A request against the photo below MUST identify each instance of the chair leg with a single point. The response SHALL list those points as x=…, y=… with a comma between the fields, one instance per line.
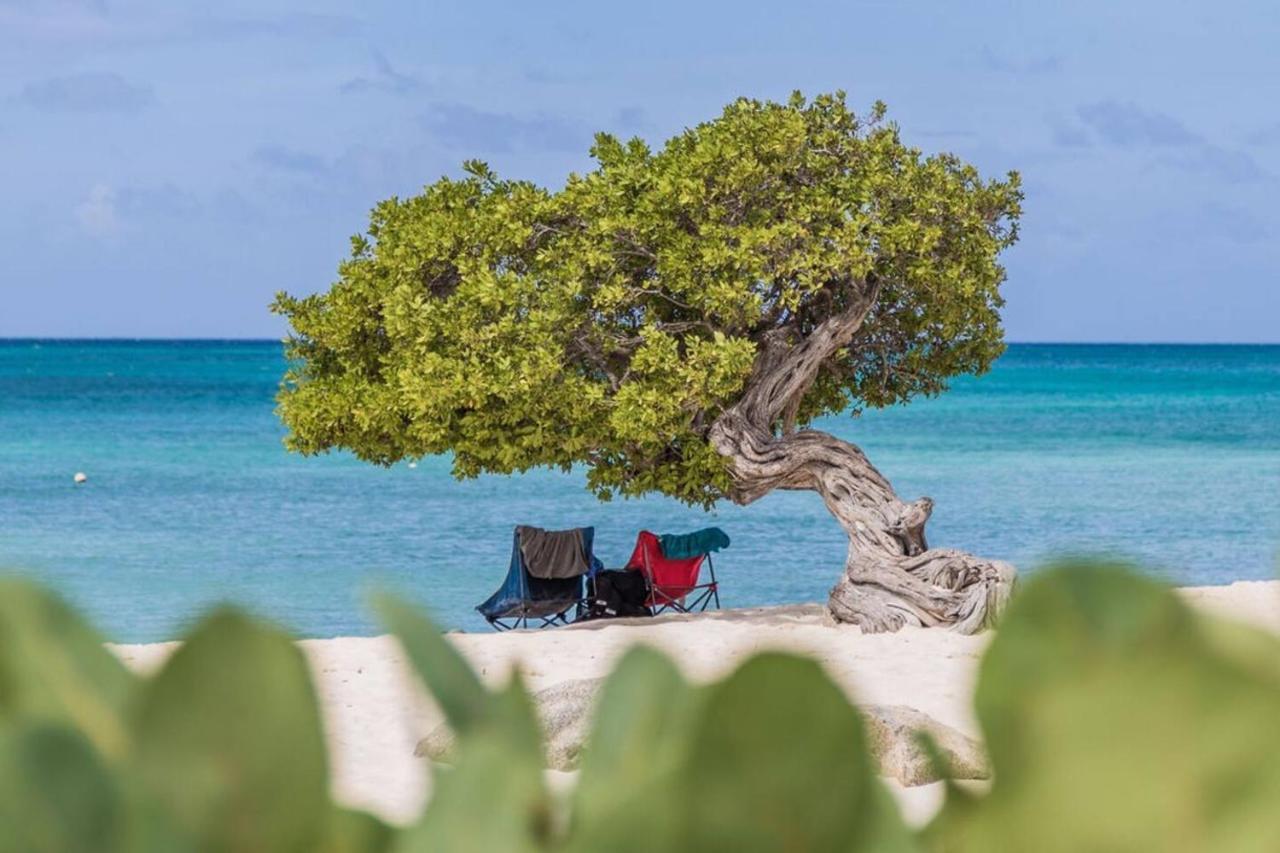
x=679, y=605
x=664, y=602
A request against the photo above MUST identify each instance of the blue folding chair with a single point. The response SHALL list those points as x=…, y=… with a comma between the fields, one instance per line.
x=527, y=593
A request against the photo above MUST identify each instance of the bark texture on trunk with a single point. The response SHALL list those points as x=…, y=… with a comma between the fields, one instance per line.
x=891, y=577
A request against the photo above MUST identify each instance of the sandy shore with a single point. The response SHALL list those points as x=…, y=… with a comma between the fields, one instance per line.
x=376, y=713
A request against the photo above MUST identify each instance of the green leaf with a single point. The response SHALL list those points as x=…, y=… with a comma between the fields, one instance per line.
x=639, y=744
x=1117, y=719
x=54, y=666
x=779, y=762
x=773, y=758
x=229, y=740
x=455, y=686
x=56, y=793
x=887, y=833
x=352, y=831
x=494, y=797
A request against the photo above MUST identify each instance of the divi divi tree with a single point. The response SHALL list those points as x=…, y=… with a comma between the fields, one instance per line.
x=673, y=321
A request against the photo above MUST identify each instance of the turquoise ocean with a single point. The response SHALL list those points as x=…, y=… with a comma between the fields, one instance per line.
x=1166, y=455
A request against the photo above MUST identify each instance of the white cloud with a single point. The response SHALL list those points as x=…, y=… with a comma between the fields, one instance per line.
x=97, y=214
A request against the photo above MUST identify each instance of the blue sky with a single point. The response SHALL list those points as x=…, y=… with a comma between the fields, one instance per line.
x=166, y=169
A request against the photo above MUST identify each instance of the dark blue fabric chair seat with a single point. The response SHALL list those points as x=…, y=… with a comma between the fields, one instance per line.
x=523, y=596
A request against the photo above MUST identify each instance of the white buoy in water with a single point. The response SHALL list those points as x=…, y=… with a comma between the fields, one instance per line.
x=80, y=477
x=413, y=464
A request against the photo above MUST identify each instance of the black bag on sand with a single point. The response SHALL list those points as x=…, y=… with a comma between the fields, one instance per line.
x=619, y=593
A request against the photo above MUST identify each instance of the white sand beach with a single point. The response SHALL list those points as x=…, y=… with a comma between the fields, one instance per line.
x=376, y=713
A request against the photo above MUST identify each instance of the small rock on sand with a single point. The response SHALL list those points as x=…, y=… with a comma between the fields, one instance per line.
x=565, y=711
x=891, y=734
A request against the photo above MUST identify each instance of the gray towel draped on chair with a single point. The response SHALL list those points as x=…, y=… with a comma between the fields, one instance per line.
x=553, y=553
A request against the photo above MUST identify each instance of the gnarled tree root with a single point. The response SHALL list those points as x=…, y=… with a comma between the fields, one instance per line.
x=892, y=577
x=938, y=587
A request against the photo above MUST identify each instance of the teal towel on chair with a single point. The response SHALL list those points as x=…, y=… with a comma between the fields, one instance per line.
x=680, y=546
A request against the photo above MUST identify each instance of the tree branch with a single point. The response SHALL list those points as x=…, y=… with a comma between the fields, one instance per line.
x=783, y=373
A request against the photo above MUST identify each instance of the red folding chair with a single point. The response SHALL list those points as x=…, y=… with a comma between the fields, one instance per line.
x=673, y=582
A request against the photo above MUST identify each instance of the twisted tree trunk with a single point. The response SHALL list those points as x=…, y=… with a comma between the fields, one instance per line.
x=891, y=577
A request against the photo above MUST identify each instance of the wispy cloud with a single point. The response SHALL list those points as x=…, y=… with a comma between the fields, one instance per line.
x=107, y=212
x=56, y=21
x=1234, y=224
x=465, y=127
x=110, y=211
x=362, y=170
x=166, y=201
x=285, y=159
x=1269, y=135
x=385, y=78
x=631, y=119
x=990, y=60
x=1226, y=164
x=92, y=23
x=547, y=77
x=1125, y=125
x=291, y=25
x=97, y=213
x=1068, y=134
x=90, y=92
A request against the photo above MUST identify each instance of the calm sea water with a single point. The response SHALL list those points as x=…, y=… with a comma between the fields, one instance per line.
x=1169, y=455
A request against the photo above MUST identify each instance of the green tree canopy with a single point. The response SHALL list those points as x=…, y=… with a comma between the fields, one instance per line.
x=609, y=323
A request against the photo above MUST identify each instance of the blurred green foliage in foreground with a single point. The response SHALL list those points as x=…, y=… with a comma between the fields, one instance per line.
x=1116, y=719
